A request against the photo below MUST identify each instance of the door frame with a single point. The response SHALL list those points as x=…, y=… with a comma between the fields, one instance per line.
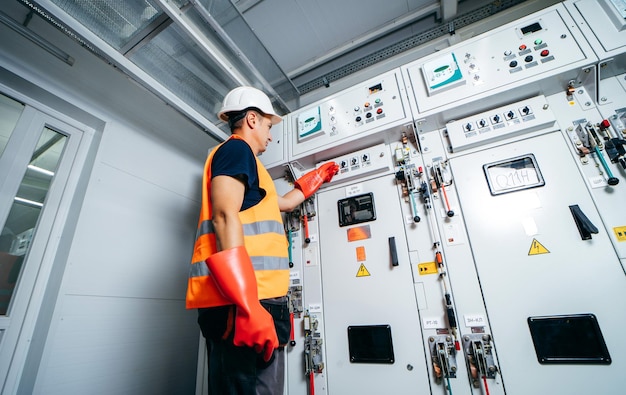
x=34, y=299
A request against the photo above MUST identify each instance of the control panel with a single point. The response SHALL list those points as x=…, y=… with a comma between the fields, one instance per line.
x=500, y=123
x=368, y=108
x=442, y=73
x=534, y=48
x=375, y=159
x=504, y=156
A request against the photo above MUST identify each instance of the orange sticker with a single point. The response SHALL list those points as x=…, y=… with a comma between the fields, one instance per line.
x=359, y=233
x=360, y=254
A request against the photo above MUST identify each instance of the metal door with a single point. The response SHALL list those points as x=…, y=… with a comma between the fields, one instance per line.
x=369, y=301
x=534, y=262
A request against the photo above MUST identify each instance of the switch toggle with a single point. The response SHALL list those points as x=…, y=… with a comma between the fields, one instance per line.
x=584, y=225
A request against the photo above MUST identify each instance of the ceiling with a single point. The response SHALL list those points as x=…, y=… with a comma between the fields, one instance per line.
x=312, y=38
x=192, y=52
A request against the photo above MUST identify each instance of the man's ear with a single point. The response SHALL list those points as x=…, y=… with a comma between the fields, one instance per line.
x=251, y=119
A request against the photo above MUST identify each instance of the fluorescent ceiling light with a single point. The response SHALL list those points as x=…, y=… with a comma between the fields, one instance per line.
x=29, y=34
x=40, y=170
x=28, y=202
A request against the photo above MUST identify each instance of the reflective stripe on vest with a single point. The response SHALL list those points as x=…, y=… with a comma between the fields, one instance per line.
x=206, y=227
x=264, y=239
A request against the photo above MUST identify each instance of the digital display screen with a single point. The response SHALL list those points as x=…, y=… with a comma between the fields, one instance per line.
x=568, y=339
x=535, y=27
x=356, y=209
x=376, y=88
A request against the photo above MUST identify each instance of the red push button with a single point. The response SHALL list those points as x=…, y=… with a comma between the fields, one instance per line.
x=522, y=47
x=545, y=52
x=605, y=124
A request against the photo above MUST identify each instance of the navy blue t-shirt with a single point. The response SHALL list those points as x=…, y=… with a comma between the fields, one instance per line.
x=235, y=159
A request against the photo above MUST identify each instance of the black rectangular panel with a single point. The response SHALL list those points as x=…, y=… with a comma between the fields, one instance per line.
x=370, y=344
x=568, y=339
x=534, y=27
x=356, y=209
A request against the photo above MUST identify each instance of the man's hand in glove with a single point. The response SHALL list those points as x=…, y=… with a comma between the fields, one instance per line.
x=313, y=180
x=233, y=273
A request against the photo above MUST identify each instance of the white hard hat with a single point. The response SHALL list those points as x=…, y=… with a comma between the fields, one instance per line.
x=244, y=97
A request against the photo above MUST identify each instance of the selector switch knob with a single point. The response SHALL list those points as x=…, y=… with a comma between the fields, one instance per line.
x=605, y=124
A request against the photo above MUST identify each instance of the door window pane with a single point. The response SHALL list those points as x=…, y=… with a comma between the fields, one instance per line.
x=10, y=111
x=25, y=210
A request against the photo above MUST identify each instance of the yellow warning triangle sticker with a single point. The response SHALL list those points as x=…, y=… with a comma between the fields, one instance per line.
x=362, y=271
x=537, y=248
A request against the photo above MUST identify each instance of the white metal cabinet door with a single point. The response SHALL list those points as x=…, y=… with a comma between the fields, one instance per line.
x=376, y=293
x=532, y=261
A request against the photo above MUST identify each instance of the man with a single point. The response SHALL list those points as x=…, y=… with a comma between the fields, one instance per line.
x=240, y=272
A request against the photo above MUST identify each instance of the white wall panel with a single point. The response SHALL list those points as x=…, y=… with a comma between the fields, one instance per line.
x=120, y=346
x=136, y=232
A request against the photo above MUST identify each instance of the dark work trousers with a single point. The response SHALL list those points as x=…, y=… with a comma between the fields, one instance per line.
x=240, y=370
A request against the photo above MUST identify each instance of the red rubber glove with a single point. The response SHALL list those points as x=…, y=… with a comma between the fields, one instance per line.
x=311, y=181
x=233, y=274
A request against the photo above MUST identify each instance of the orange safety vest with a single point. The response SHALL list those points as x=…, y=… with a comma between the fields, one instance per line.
x=264, y=239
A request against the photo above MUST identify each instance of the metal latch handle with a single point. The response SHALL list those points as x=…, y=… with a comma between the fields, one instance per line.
x=585, y=227
x=393, y=251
